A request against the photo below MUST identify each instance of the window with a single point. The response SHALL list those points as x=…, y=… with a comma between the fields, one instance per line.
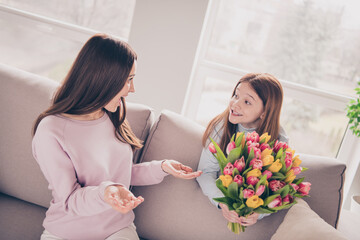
x=311, y=46
x=44, y=37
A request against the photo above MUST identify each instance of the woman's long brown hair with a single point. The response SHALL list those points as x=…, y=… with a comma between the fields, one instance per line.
x=99, y=72
x=269, y=89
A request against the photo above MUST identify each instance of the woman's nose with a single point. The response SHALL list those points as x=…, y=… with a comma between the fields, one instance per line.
x=132, y=88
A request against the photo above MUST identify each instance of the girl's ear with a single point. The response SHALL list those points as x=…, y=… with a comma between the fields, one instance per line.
x=262, y=115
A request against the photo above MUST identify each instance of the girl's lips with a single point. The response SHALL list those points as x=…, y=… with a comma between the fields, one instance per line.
x=235, y=113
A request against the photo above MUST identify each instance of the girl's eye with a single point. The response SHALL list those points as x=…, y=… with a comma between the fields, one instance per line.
x=247, y=102
x=236, y=96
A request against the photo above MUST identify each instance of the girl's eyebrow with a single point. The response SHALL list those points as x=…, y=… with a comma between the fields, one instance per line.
x=251, y=96
x=132, y=75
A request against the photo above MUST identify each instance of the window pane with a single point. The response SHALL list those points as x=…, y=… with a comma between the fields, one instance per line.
x=314, y=42
x=312, y=129
x=49, y=50
x=109, y=16
x=35, y=51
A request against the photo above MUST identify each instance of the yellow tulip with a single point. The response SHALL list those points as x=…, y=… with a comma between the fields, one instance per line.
x=290, y=176
x=265, y=153
x=226, y=180
x=254, y=201
x=254, y=172
x=290, y=151
x=296, y=161
x=275, y=166
x=267, y=160
x=265, y=136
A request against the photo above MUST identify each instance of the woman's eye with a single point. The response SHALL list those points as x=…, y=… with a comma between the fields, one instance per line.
x=247, y=102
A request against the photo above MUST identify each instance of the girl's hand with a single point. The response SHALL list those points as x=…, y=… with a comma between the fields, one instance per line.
x=179, y=170
x=121, y=199
x=232, y=216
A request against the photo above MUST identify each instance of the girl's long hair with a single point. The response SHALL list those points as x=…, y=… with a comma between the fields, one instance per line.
x=99, y=72
x=269, y=89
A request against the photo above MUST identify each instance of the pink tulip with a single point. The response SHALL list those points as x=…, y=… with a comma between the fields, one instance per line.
x=288, y=162
x=257, y=152
x=267, y=173
x=260, y=190
x=304, y=188
x=240, y=164
x=275, y=185
x=254, y=137
x=230, y=147
x=296, y=187
x=276, y=202
x=252, y=180
x=263, y=146
x=248, y=193
x=296, y=170
x=212, y=148
x=239, y=180
x=256, y=163
x=287, y=199
x=279, y=145
x=228, y=169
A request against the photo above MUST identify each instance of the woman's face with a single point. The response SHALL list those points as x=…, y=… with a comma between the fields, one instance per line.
x=128, y=87
x=246, y=107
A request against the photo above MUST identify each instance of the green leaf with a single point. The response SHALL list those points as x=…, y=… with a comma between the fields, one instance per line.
x=285, y=191
x=249, y=158
x=304, y=169
x=270, y=199
x=233, y=190
x=220, y=186
x=261, y=181
x=235, y=172
x=234, y=155
x=262, y=210
x=279, y=153
x=298, y=181
x=286, y=206
x=232, y=138
x=228, y=201
x=238, y=139
x=219, y=155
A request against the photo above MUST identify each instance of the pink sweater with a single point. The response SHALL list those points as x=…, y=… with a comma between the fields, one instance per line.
x=80, y=159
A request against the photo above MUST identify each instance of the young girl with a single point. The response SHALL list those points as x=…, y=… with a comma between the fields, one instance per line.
x=255, y=106
x=84, y=147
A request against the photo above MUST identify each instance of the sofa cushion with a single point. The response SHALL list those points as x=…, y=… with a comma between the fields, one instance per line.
x=327, y=177
x=181, y=206
x=20, y=219
x=23, y=96
x=301, y=222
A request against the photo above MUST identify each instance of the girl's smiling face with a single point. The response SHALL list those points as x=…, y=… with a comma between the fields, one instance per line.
x=128, y=87
x=246, y=107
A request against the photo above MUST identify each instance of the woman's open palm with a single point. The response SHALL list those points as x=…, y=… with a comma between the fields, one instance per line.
x=121, y=199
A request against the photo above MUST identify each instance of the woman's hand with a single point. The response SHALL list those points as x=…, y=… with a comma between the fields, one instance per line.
x=179, y=170
x=121, y=199
x=232, y=216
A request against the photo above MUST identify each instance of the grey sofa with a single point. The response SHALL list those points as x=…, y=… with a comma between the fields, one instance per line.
x=174, y=209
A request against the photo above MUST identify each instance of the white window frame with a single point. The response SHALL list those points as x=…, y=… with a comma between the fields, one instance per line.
x=349, y=150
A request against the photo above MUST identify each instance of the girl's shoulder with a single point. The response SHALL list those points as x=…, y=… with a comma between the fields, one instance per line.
x=282, y=135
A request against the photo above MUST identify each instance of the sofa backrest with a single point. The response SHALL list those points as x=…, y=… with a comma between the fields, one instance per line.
x=23, y=96
x=181, y=206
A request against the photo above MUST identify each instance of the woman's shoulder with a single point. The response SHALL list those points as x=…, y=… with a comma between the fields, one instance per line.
x=50, y=124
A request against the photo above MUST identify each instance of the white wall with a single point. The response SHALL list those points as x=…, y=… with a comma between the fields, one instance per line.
x=165, y=35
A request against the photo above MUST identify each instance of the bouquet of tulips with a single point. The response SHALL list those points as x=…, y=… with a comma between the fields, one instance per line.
x=257, y=176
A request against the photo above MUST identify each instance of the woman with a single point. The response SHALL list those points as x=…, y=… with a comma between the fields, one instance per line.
x=84, y=147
